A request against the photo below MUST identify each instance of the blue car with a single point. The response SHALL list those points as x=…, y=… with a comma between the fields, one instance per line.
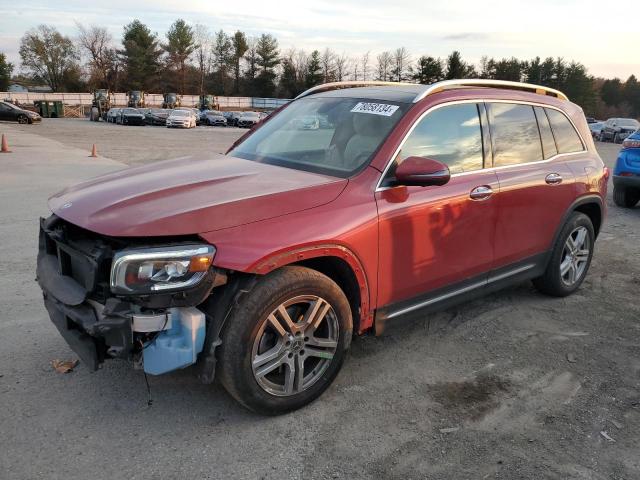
x=626, y=174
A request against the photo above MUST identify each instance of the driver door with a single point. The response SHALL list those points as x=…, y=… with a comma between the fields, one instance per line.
x=439, y=238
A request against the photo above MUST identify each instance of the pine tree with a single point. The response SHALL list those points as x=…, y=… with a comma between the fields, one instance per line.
x=428, y=70
x=239, y=48
x=179, y=47
x=267, y=59
x=6, y=69
x=141, y=56
x=313, y=75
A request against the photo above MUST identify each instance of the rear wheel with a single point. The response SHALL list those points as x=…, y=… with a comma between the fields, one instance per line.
x=626, y=197
x=285, y=343
x=570, y=258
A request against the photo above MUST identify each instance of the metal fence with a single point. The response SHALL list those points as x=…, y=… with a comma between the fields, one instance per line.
x=151, y=100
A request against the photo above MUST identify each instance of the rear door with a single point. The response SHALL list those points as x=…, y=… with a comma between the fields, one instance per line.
x=536, y=185
x=438, y=236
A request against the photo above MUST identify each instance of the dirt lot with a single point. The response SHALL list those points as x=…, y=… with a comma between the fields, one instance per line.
x=514, y=386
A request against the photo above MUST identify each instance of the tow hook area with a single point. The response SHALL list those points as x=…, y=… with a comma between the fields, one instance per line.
x=179, y=340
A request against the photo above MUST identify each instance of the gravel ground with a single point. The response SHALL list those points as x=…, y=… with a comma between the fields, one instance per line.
x=513, y=386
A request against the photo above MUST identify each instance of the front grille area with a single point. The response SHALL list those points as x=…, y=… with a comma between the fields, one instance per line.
x=80, y=255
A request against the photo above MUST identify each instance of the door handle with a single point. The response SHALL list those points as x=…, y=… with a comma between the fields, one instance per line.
x=553, y=178
x=481, y=193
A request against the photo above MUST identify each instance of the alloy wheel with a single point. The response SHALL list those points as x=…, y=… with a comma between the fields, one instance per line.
x=295, y=345
x=575, y=256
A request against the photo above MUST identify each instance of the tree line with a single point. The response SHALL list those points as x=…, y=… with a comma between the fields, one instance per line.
x=194, y=60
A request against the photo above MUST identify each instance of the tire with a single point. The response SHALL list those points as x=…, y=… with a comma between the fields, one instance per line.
x=625, y=197
x=22, y=119
x=249, y=333
x=553, y=282
x=615, y=138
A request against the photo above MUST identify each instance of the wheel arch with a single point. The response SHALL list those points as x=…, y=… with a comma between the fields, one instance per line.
x=338, y=263
x=591, y=205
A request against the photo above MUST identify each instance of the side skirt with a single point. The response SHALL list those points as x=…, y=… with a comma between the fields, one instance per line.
x=397, y=314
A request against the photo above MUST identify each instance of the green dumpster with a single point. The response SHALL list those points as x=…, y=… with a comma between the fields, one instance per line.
x=49, y=108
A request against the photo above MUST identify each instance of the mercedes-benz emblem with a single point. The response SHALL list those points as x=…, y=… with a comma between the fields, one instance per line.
x=67, y=205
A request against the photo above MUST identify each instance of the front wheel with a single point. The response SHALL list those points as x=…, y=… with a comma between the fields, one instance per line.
x=285, y=342
x=22, y=119
x=570, y=258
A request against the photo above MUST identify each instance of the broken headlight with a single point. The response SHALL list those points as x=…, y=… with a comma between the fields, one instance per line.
x=152, y=270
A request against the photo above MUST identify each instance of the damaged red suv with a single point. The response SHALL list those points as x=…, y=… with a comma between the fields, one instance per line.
x=354, y=208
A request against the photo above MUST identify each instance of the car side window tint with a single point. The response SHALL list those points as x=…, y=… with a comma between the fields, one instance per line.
x=567, y=138
x=515, y=134
x=548, y=143
x=451, y=135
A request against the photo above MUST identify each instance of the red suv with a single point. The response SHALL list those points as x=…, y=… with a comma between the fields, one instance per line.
x=258, y=266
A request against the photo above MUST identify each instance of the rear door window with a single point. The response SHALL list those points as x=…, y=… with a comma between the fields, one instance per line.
x=548, y=143
x=515, y=135
x=451, y=135
x=567, y=139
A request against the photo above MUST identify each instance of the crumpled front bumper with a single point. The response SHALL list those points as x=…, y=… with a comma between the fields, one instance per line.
x=166, y=337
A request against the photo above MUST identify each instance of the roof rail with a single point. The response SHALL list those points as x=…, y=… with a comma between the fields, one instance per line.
x=476, y=82
x=325, y=87
x=439, y=87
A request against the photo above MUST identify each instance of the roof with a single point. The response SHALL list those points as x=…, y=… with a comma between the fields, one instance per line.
x=410, y=92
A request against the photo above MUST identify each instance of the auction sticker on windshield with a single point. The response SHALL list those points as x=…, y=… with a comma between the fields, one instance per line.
x=375, y=108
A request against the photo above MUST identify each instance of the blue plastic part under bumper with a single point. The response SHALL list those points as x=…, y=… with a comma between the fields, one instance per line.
x=179, y=346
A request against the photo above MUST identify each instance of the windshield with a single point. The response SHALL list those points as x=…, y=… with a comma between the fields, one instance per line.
x=131, y=110
x=334, y=136
x=180, y=113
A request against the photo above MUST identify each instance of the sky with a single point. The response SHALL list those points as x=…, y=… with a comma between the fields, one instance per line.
x=572, y=29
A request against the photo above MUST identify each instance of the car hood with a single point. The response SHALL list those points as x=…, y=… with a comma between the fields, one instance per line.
x=190, y=196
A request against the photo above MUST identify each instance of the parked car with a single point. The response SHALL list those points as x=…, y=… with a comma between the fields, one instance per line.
x=596, y=129
x=248, y=119
x=182, y=118
x=113, y=114
x=12, y=113
x=591, y=120
x=617, y=129
x=198, y=115
x=130, y=116
x=232, y=118
x=260, y=266
x=157, y=116
x=626, y=174
x=214, y=118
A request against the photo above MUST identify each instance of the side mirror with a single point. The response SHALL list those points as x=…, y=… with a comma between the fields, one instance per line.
x=422, y=172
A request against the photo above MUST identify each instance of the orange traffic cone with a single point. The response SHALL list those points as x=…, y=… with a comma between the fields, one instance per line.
x=94, y=151
x=5, y=145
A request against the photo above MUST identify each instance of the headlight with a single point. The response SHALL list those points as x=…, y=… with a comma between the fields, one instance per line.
x=151, y=270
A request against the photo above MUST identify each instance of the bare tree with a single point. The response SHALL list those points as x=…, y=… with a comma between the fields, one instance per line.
x=300, y=63
x=355, y=68
x=341, y=64
x=97, y=44
x=202, y=36
x=401, y=61
x=327, y=62
x=365, y=66
x=385, y=60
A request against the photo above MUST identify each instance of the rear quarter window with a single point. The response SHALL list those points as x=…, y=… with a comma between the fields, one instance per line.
x=567, y=139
